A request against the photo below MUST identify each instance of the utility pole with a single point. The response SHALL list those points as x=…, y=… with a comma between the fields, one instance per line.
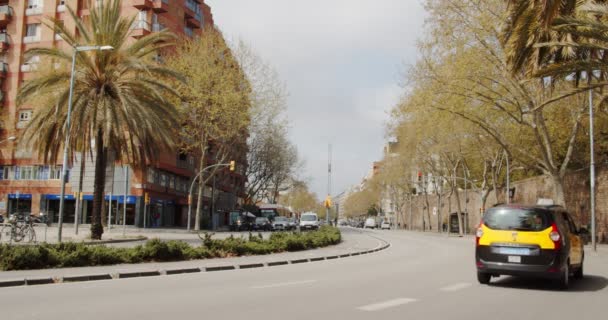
x=124, y=201
x=328, y=183
x=592, y=171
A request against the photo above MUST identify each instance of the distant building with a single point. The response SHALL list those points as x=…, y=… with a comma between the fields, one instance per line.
x=28, y=185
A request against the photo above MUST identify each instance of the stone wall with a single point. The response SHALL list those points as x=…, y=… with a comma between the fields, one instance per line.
x=576, y=188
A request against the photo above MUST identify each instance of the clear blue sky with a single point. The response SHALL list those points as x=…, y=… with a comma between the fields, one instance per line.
x=342, y=62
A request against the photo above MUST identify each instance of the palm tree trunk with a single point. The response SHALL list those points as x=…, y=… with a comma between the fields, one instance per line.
x=98, y=188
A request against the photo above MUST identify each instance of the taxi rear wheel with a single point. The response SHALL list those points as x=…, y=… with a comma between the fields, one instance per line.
x=483, y=278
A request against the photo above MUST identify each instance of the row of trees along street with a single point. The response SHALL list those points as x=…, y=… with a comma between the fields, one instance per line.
x=497, y=79
x=204, y=99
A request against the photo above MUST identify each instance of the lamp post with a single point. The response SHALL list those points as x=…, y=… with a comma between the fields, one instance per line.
x=592, y=172
x=231, y=165
x=64, y=171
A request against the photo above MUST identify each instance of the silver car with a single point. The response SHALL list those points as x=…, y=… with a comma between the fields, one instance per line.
x=280, y=224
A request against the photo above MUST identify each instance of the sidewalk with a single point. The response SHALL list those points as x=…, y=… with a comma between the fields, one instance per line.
x=353, y=243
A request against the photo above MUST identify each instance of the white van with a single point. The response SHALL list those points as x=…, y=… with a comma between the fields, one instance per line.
x=309, y=221
x=370, y=223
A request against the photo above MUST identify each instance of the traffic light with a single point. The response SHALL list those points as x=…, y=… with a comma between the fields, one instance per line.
x=328, y=202
x=232, y=165
x=147, y=198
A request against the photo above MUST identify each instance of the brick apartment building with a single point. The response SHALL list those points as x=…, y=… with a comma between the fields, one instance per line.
x=27, y=185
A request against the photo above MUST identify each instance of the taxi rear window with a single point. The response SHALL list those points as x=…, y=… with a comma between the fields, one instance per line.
x=517, y=219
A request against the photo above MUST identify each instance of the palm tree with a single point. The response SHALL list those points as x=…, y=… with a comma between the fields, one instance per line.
x=529, y=23
x=120, y=98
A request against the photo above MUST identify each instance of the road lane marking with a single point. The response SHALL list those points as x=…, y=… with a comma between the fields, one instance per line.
x=455, y=287
x=284, y=284
x=386, y=304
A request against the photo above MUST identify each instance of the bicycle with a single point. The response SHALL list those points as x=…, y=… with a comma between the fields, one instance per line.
x=19, y=229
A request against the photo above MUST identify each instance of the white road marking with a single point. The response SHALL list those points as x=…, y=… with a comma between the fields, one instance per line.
x=386, y=304
x=455, y=287
x=284, y=284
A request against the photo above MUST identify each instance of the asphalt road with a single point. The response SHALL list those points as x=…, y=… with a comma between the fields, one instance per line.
x=421, y=276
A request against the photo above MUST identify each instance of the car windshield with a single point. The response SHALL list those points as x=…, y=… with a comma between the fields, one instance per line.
x=280, y=219
x=517, y=219
x=309, y=217
x=261, y=220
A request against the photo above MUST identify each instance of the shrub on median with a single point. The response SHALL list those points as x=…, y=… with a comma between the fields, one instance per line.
x=15, y=257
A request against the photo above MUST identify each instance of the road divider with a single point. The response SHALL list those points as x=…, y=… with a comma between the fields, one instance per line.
x=382, y=245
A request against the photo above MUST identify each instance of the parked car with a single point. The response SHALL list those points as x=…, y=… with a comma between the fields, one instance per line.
x=262, y=224
x=292, y=223
x=385, y=225
x=280, y=224
x=242, y=223
x=532, y=241
x=309, y=221
x=370, y=223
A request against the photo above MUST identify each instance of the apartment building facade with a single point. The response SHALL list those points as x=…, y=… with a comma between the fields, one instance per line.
x=28, y=185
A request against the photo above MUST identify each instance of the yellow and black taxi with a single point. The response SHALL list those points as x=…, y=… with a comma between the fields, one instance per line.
x=535, y=241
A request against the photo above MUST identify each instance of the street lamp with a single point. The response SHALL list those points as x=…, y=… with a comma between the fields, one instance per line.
x=67, y=135
x=231, y=165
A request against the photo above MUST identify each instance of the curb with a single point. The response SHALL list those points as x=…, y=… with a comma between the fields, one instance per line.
x=151, y=273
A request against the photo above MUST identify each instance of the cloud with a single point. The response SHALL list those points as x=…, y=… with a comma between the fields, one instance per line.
x=340, y=60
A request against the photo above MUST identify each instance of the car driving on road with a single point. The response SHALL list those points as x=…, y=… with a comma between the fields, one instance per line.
x=370, y=223
x=309, y=221
x=385, y=225
x=537, y=241
x=280, y=224
x=262, y=223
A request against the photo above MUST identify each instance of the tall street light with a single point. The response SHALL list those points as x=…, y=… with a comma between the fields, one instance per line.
x=64, y=171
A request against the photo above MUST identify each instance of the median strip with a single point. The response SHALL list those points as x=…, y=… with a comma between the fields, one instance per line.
x=151, y=273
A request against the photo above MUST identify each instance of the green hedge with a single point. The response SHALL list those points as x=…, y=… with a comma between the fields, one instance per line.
x=13, y=257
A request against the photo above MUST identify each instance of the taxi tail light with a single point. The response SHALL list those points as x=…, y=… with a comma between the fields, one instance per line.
x=555, y=237
x=479, y=233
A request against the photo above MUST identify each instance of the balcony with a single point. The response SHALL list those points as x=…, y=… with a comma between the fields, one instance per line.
x=4, y=42
x=140, y=28
x=6, y=15
x=33, y=10
x=142, y=4
x=190, y=11
x=31, y=39
x=193, y=23
x=160, y=6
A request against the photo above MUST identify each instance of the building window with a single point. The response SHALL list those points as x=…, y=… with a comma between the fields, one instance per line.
x=55, y=173
x=172, y=182
x=30, y=64
x=34, y=7
x=163, y=180
x=24, y=118
x=32, y=33
x=151, y=175
x=25, y=115
x=5, y=172
x=188, y=31
x=28, y=173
